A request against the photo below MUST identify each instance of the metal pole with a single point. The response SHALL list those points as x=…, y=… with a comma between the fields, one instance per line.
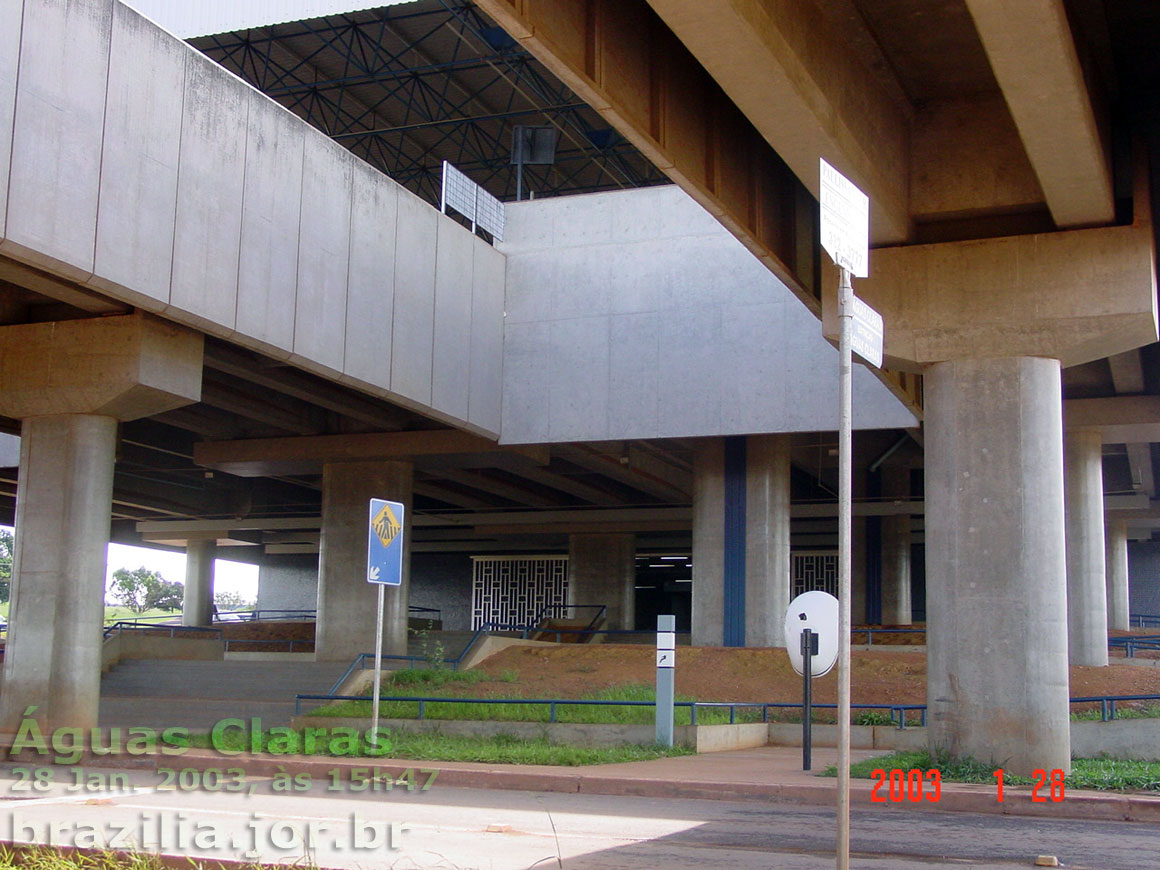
x=520, y=180
x=807, y=641
x=845, y=476
x=378, y=662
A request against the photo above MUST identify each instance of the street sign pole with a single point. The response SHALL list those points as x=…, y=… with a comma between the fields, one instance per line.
x=809, y=642
x=666, y=662
x=845, y=525
x=378, y=661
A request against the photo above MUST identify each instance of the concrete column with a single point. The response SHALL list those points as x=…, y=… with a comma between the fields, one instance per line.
x=197, y=606
x=896, y=608
x=347, y=603
x=63, y=503
x=1087, y=620
x=708, y=542
x=997, y=684
x=70, y=383
x=602, y=570
x=1116, y=552
x=767, y=527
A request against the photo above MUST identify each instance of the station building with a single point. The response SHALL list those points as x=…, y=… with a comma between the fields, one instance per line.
x=234, y=310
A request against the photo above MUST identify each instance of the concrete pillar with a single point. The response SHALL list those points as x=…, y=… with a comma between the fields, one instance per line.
x=70, y=383
x=1087, y=619
x=602, y=570
x=767, y=527
x=896, y=550
x=708, y=542
x=1116, y=552
x=741, y=563
x=347, y=603
x=197, y=606
x=64, y=496
x=997, y=685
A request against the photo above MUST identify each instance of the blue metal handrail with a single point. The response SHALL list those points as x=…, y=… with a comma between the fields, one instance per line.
x=123, y=626
x=555, y=703
x=1108, y=703
x=870, y=632
x=1131, y=644
x=1144, y=620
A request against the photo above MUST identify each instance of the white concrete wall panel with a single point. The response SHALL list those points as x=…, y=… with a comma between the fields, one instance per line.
x=58, y=126
x=634, y=371
x=323, y=256
x=451, y=368
x=271, y=209
x=489, y=275
x=578, y=359
x=659, y=324
x=139, y=160
x=370, y=294
x=11, y=13
x=412, y=334
x=210, y=182
x=527, y=351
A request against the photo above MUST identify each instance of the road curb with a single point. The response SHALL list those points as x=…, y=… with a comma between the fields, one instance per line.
x=954, y=797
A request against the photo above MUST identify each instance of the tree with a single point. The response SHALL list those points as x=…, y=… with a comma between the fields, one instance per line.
x=142, y=589
x=7, y=548
x=231, y=601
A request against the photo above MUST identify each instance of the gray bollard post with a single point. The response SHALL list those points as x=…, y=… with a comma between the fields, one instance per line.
x=666, y=661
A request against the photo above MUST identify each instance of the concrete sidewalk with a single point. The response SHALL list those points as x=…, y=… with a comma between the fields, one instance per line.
x=767, y=774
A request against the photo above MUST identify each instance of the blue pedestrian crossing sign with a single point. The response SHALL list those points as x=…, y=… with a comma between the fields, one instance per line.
x=385, y=543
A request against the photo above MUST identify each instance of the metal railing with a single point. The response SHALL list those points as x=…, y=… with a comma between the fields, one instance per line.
x=1108, y=703
x=1131, y=644
x=1144, y=620
x=870, y=632
x=550, y=610
x=240, y=641
x=121, y=626
x=897, y=711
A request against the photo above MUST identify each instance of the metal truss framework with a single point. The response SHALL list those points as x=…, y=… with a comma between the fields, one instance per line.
x=406, y=87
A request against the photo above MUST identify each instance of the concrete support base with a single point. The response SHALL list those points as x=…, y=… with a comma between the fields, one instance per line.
x=197, y=606
x=741, y=536
x=1087, y=621
x=1116, y=570
x=52, y=658
x=896, y=607
x=347, y=603
x=602, y=570
x=997, y=686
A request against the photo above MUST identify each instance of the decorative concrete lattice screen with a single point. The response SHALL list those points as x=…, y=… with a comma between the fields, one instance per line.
x=512, y=590
x=815, y=570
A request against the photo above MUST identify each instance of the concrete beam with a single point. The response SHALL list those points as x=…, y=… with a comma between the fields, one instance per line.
x=791, y=72
x=1119, y=419
x=1033, y=56
x=622, y=59
x=55, y=288
x=126, y=367
x=1014, y=296
x=266, y=457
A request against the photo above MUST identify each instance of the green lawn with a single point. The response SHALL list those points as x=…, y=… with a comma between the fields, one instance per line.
x=1104, y=774
x=458, y=684
x=500, y=749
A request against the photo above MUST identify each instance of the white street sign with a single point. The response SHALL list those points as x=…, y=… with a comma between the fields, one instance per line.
x=845, y=221
x=866, y=333
x=666, y=658
x=666, y=640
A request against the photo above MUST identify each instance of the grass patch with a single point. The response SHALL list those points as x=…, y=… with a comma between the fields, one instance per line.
x=449, y=684
x=499, y=749
x=1123, y=711
x=47, y=858
x=1103, y=774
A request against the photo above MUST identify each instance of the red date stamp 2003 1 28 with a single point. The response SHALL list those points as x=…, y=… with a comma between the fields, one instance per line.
x=897, y=786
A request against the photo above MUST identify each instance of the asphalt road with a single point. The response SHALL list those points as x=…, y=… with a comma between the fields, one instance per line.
x=447, y=827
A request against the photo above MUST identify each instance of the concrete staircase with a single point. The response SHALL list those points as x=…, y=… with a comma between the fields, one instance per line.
x=156, y=693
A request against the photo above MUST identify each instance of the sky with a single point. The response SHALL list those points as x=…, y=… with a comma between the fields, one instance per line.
x=228, y=576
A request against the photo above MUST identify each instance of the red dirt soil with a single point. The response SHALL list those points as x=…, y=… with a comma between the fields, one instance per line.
x=719, y=674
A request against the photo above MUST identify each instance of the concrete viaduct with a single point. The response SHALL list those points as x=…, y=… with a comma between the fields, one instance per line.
x=174, y=244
